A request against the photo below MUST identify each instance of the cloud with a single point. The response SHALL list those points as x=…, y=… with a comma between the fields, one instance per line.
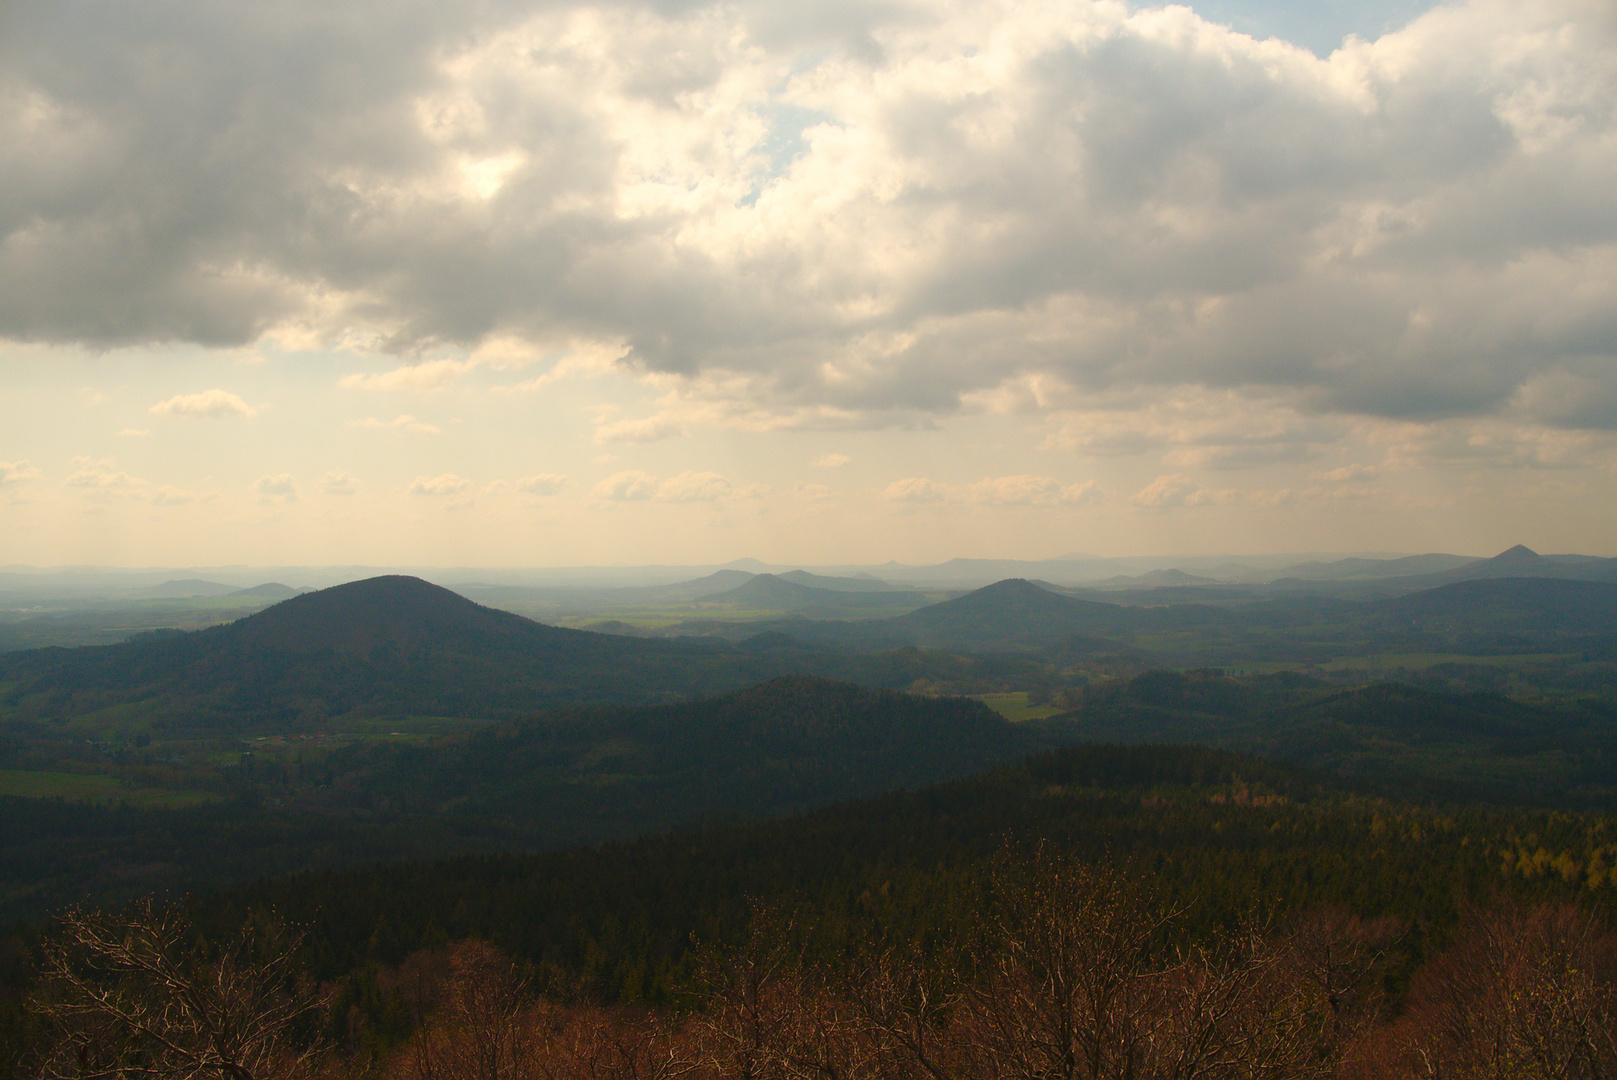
x=687, y=487
x=338, y=483
x=446, y=484
x=815, y=492
x=629, y=486
x=831, y=461
x=210, y=404
x=102, y=475
x=167, y=495
x=15, y=472
x=403, y=421
x=913, y=489
x=1085, y=493
x=1177, y=490
x=651, y=429
x=863, y=217
x=1245, y=454
x=542, y=484
x=277, y=486
x=1032, y=491
x=424, y=378
x=694, y=487
x=1345, y=474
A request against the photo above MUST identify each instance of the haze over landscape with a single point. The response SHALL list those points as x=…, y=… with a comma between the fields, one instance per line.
x=562, y=284
x=630, y=539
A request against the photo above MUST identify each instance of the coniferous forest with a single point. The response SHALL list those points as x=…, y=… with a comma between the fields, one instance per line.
x=733, y=861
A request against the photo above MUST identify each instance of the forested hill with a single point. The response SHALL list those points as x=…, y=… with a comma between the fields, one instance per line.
x=384, y=645
x=782, y=746
x=561, y=777
x=1220, y=836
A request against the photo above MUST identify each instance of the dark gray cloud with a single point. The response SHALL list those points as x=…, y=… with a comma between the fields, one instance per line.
x=1419, y=227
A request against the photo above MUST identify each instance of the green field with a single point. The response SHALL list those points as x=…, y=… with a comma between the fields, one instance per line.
x=1384, y=664
x=83, y=787
x=1014, y=706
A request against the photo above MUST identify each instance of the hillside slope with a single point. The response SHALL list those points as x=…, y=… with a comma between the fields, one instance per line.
x=562, y=777
x=387, y=645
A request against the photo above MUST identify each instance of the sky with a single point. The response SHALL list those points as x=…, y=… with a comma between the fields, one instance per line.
x=499, y=283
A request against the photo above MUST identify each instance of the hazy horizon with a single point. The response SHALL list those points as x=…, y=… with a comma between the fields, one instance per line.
x=620, y=284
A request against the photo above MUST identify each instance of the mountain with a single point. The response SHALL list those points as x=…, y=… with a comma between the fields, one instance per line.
x=1376, y=569
x=1519, y=562
x=862, y=583
x=384, y=646
x=1479, y=744
x=271, y=591
x=785, y=592
x=187, y=588
x=782, y=746
x=558, y=778
x=1506, y=614
x=1014, y=612
x=1010, y=615
x=1155, y=579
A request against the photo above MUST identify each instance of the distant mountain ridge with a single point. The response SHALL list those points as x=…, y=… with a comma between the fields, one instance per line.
x=802, y=595
x=392, y=644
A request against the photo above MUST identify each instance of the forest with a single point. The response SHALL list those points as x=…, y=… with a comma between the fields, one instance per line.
x=379, y=831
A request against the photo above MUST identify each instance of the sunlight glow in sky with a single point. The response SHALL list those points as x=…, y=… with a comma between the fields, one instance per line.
x=555, y=283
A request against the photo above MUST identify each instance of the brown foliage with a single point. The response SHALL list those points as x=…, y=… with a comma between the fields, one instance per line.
x=483, y=1025
x=130, y=996
x=1525, y=993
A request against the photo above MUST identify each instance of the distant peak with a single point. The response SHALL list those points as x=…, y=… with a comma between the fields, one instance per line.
x=1013, y=585
x=1520, y=551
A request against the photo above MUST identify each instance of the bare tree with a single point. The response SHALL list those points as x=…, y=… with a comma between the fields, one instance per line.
x=1524, y=993
x=481, y=1027
x=132, y=996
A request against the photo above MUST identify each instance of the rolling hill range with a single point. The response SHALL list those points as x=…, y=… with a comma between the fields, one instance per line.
x=1178, y=627
x=806, y=595
x=388, y=645
x=558, y=778
x=1473, y=744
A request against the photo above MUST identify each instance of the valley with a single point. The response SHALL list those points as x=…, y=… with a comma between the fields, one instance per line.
x=396, y=768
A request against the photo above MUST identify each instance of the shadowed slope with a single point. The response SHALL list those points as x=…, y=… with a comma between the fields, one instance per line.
x=389, y=645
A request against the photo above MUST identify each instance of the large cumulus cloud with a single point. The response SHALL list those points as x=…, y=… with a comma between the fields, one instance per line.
x=854, y=210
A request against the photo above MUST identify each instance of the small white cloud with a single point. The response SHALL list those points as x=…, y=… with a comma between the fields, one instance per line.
x=338, y=483
x=915, y=489
x=210, y=404
x=15, y=472
x=814, y=492
x=651, y=429
x=1177, y=489
x=424, y=378
x=694, y=487
x=831, y=461
x=1346, y=474
x=1032, y=491
x=541, y=484
x=135, y=433
x=102, y=475
x=404, y=422
x=447, y=484
x=1016, y=490
x=278, y=486
x=630, y=486
x=167, y=495
x=1084, y=494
